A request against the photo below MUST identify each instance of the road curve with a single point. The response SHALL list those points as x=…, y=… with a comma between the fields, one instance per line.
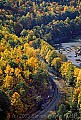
x=53, y=104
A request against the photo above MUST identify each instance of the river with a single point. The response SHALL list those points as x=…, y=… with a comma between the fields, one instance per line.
x=70, y=48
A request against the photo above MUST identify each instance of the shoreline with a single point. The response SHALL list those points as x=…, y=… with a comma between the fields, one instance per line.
x=64, y=39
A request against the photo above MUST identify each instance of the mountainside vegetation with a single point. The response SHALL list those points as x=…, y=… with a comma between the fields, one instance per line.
x=28, y=31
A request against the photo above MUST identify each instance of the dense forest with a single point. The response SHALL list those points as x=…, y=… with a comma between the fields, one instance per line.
x=28, y=31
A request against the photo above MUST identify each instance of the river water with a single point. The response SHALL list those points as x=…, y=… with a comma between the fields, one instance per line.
x=69, y=49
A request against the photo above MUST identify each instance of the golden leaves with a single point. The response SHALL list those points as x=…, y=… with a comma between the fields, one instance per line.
x=9, y=70
x=33, y=62
x=8, y=81
x=17, y=103
x=79, y=98
x=56, y=62
x=1, y=72
x=76, y=71
x=17, y=72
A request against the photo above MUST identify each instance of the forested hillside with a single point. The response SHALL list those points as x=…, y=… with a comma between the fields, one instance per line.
x=28, y=31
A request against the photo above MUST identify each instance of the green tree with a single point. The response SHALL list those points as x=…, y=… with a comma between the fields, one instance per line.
x=52, y=115
x=61, y=111
x=56, y=62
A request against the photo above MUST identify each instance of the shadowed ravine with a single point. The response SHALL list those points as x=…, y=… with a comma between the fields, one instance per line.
x=40, y=115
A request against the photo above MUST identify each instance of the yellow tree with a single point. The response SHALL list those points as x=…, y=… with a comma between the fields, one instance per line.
x=8, y=70
x=33, y=63
x=56, y=62
x=29, y=51
x=79, y=98
x=8, y=81
x=17, y=103
x=17, y=72
x=76, y=93
x=78, y=83
x=76, y=71
x=67, y=71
